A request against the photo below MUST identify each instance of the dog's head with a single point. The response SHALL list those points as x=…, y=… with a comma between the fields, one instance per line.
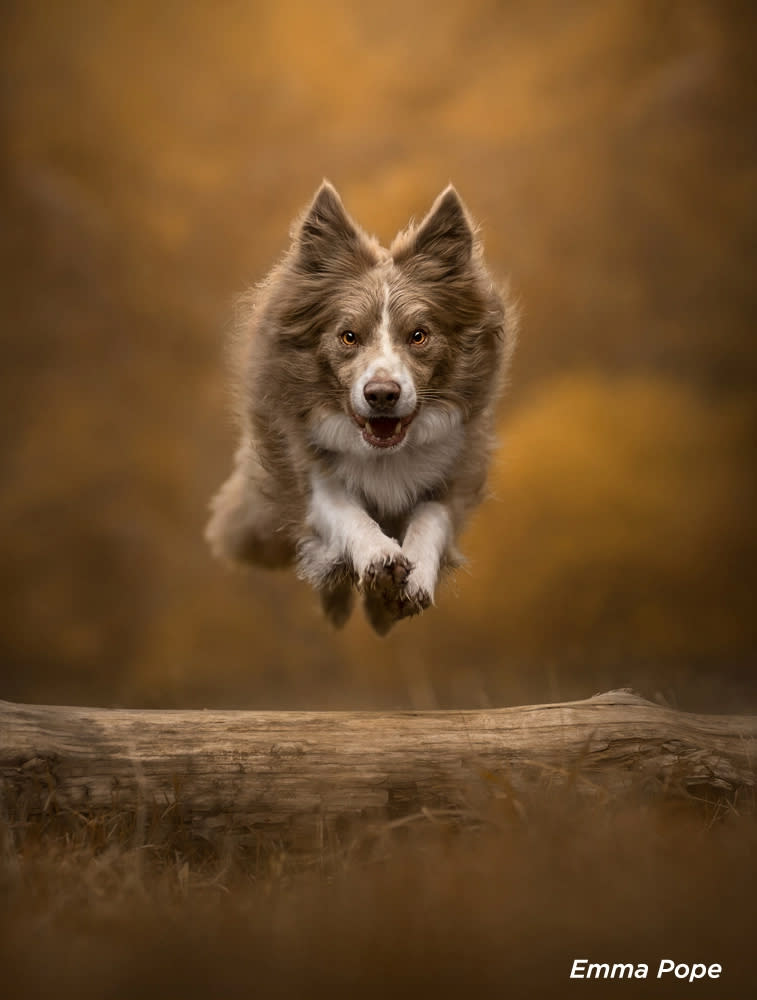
x=388, y=346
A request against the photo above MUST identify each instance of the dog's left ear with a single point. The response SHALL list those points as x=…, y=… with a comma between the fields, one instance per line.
x=326, y=237
x=446, y=234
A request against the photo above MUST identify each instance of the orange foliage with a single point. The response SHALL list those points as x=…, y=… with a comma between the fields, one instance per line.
x=155, y=155
x=623, y=504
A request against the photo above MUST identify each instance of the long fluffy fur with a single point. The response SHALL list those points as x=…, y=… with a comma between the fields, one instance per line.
x=307, y=489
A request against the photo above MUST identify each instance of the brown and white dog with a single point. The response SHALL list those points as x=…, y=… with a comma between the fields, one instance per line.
x=366, y=386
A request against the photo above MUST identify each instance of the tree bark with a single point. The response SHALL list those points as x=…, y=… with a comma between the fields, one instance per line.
x=295, y=776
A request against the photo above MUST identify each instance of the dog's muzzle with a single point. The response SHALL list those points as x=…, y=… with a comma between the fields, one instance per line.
x=381, y=431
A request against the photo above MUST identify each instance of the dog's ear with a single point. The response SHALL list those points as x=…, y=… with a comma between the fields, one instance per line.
x=446, y=234
x=326, y=239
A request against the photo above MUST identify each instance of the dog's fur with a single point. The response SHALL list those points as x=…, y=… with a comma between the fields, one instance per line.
x=367, y=383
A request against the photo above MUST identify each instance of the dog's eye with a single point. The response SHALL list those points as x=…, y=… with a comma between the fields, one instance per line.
x=418, y=336
x=348, y=338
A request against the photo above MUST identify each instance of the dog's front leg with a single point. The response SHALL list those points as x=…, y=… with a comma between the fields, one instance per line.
x=427, y=544
x=347, y=541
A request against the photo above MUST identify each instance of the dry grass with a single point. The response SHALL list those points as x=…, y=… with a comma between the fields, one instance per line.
x=436, y=904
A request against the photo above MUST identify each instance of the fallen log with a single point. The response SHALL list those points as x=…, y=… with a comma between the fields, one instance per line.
x=293, y=775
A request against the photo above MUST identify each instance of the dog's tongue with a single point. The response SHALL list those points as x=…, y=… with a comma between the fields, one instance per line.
x=383, y=427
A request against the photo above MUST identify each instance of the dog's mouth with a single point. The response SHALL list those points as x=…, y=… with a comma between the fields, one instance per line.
x=383, y=432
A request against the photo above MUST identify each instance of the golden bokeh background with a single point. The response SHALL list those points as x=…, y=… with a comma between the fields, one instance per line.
x=154, y=156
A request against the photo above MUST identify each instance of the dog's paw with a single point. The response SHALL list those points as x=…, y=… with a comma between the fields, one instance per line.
x=414, y=599
x=395, y=592
x=337, y=599
x=321, y=566
x=381, y=617
x=382, y=584
x=386, y=606
x=387, y=574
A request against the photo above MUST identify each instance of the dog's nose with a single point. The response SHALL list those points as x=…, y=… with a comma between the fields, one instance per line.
x=382, y=394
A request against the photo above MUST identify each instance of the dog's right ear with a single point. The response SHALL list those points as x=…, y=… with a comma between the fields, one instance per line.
x=326, y=239
x=446, y=234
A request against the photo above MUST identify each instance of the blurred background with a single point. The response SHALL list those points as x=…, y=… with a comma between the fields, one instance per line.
x=153, y=158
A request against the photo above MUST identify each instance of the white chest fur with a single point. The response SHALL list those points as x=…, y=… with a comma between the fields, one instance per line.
x=394, y=482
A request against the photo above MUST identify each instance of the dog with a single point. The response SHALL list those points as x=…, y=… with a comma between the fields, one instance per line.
x=366, y=387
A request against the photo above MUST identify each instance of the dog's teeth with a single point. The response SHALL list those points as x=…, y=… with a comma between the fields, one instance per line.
x=398, y=428
x=368, y=427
